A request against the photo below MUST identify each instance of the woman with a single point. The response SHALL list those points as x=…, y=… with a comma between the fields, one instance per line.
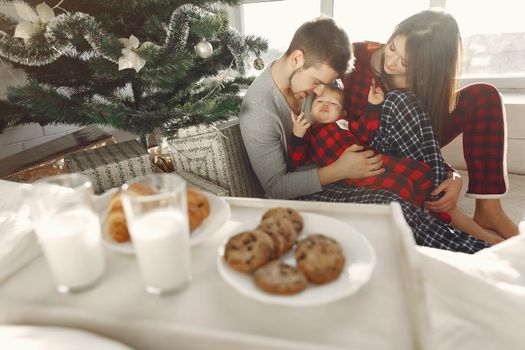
x=422, y=56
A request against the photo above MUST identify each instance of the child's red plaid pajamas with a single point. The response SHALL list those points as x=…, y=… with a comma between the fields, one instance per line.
x=324, y=143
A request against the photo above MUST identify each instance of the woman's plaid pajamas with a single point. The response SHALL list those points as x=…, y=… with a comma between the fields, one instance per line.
x=428, y=230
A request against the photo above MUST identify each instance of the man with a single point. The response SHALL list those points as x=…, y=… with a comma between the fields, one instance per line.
x=319, y=53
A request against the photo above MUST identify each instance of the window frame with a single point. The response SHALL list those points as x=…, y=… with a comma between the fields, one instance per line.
x=510, y=83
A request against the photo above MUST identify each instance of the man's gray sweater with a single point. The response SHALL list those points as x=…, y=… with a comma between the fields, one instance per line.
x=266, y=128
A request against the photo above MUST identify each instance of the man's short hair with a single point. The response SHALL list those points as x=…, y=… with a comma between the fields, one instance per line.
x=323, y=42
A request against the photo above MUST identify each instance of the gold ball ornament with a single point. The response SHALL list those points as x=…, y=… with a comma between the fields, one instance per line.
x=258, y=63
x=203, y=49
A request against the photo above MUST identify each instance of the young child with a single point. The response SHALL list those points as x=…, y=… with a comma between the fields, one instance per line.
x=331, y=133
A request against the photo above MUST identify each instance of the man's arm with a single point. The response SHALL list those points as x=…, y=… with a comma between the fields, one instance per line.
x=354, y=163
x=263, y=139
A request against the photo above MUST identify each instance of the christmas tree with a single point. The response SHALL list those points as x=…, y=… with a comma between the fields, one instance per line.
x=142, y=65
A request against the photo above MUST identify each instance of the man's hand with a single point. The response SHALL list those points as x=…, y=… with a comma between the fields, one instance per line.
x=354, y=163
x=376, y=96
x=452, y=188
x=300, y=125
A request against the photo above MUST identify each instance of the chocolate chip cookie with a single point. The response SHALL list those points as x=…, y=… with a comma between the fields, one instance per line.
x=248, y=250
x=320, y=258
x=282, y=232
x=277, y=277
x=289, y=213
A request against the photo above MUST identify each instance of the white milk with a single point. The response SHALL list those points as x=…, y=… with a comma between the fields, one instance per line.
x=161, y=242
x=71, y=244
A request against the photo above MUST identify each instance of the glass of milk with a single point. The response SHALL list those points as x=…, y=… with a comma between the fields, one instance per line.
x=68, y=229
x=157, y=217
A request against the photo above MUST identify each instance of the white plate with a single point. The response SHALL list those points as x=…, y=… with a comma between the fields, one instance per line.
x=360, y=261
x=219, y=215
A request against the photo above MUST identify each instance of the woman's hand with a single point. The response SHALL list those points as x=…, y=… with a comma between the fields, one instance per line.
x=452, y=188
x=300, y=125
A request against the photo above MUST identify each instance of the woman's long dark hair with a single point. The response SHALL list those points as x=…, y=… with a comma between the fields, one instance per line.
x=433, y=48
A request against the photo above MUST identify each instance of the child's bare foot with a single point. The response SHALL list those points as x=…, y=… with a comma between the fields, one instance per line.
x=490, y=215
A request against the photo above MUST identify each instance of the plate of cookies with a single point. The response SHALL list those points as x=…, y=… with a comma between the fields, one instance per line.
x=294, y=258
x=207, y=213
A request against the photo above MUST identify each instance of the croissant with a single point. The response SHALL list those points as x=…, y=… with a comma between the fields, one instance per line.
x=118, y=228
x=117, y=225
x=198, y=208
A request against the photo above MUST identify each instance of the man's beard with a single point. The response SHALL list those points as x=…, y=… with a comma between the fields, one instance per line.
x=290, y=81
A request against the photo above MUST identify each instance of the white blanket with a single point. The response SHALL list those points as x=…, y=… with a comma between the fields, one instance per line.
x=56, y=338
x=477, y=301
x=18, y=244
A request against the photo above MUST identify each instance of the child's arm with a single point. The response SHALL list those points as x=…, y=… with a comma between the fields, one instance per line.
x=366, y=127
x=298, y=146
x=376, y=96
x=300, y=124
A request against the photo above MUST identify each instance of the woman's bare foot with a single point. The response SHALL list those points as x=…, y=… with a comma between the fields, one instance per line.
x=493, y=238
x=490, y=215
x=470, y=226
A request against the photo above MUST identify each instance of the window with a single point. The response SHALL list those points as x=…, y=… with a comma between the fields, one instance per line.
x=493, y=32
x=493, y=35
x=373, y=20
x=277, y=22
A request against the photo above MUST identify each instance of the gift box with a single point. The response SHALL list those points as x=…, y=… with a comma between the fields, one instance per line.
x=47, y=159
x=217, y=154
x=111, y=166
